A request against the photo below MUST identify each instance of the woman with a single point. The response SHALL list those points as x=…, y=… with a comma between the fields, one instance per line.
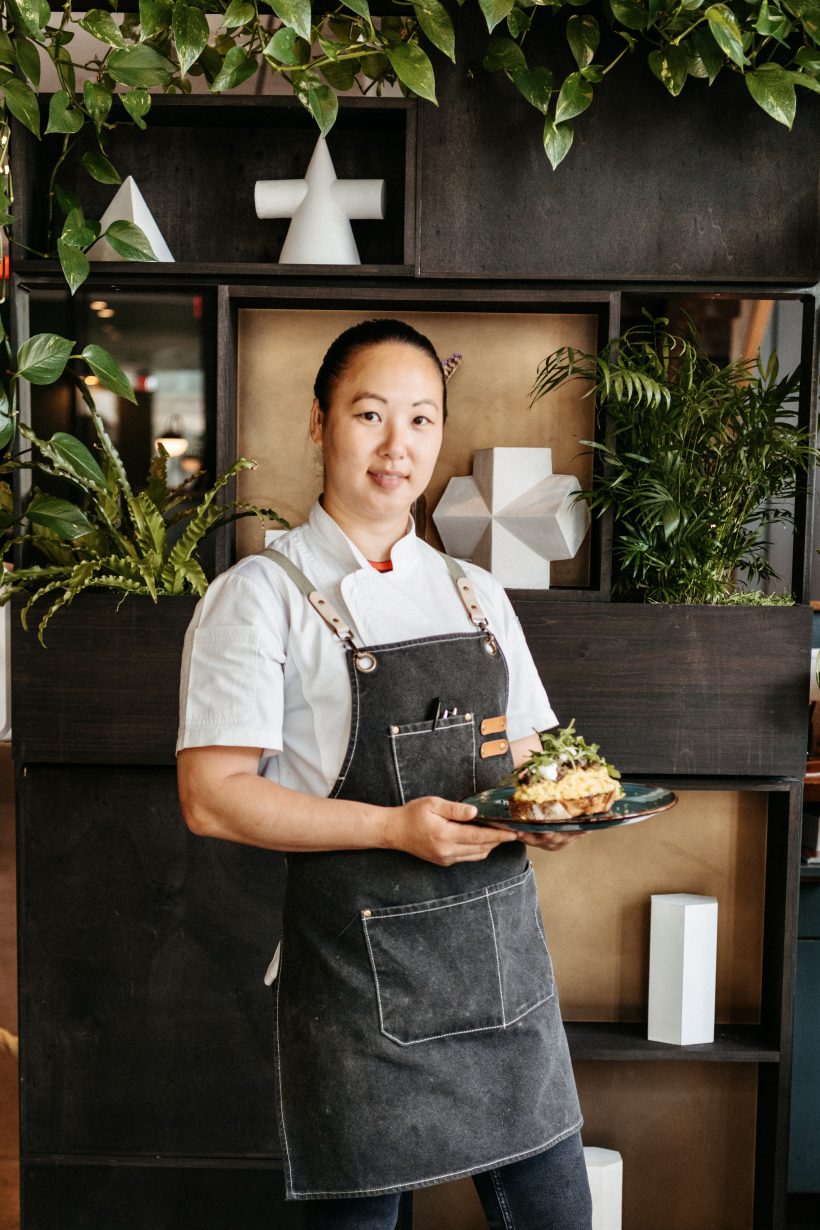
x=340, y=695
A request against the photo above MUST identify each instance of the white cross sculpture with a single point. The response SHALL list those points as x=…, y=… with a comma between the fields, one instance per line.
x=513, y=515
x=320, y=206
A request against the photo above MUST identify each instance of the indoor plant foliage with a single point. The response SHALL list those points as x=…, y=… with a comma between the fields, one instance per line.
x=698, y=460
x=321, y=50
x=107, y=536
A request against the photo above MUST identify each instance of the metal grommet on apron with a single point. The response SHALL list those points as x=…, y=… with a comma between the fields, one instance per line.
x=418, y=1034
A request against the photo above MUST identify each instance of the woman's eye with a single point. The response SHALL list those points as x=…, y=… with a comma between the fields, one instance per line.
x=422, y=419
x=369, y=416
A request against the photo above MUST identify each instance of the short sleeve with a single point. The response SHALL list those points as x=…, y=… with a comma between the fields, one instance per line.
x=232, y=674
x=528, y=707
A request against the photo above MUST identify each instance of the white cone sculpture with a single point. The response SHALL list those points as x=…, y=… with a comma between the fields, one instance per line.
x=320, y=206
x=513, y=516
x=128, y=205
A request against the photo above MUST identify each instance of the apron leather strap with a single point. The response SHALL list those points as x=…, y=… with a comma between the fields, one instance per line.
x=466, y=593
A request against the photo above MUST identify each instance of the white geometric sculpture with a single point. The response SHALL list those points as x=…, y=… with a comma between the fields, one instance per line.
x=320, y=206
x=128, y=205
x=605, y=1171
x=513, y=516
x=682, y=968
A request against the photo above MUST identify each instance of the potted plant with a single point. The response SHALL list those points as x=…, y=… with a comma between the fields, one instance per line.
x=699, y=460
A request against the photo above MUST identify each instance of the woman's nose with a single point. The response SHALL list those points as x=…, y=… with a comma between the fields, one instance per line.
x=394, y=443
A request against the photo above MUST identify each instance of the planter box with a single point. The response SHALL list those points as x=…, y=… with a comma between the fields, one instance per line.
x=701, y=690
x=105, y=690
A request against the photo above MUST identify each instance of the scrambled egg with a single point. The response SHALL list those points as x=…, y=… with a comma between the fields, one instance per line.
x=576, y=784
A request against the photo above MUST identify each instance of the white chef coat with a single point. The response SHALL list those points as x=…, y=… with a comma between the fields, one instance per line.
x=260, y=668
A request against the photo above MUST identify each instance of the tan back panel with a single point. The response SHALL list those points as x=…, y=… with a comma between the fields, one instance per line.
x=280, y=352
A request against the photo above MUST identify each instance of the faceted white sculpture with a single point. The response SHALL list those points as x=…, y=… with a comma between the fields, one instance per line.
x=605, y=1171
x=682, y=968
x=320, y=206
x=128, y=205
x=513, y=516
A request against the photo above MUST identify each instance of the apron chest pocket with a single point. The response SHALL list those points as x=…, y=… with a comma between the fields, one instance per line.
x=438, y=760
x=459, y=965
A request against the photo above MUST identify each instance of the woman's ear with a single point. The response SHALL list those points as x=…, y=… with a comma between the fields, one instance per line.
x=316, y=421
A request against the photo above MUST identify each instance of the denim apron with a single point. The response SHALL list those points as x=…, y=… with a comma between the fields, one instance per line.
x=417, y=1028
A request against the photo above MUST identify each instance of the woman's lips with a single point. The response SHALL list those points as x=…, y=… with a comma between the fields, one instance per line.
x=385, y=480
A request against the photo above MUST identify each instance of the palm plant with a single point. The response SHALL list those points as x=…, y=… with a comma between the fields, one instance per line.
x=108, y=536
x=699, y=460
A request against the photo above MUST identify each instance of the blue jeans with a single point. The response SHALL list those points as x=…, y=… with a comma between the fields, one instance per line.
x=546, y=1192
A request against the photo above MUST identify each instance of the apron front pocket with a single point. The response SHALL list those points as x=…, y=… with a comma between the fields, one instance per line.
x=436, y=760
x=459, y=965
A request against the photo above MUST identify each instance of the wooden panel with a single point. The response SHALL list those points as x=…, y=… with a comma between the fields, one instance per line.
x=595, y=898
x=686, y=1136
x=654, y=187
x=145, y=1022
x=488, y=399
x=105, y=690
x=679, y=689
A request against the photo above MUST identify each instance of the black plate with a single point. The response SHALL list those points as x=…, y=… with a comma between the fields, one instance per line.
x=637, y=803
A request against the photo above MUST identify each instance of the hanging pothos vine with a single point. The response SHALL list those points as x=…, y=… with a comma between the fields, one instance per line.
x=322, y=50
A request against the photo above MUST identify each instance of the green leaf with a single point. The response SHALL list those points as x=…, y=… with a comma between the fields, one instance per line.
x=43, y=357
x=100, y=168
x=583, y=36
x=62, y=115
x=97, y=99
x=436, y=23
x=103, y=27
x=140, y=65
x=536, y=86
x=413, y=68
x=296, y=14
x=28, y=57
x=62, y=60
x=360, y=7
x=495, y=11
x=341, y=76
x=237, y=67
x=21, y=102
x=129, y=241
x=557, y=141
x=77, y=231
x=66, y=200
x=519, y=21
x=724, y=27
x=772, y=90
x=238, y=13
x=810, y=18
x=77, y=458
x=35, y=15
x=285, y=46
x=8, y=55
x=189, y=27
x=671, y=66
x=503, y=53
x=324, y=107
x=74, y=264
x=702, y=45
x=155, y=17
x=808, y=59
x=62, y=517
x=137, y=103
x=574, y=98
x=772, y=22
x=629, y=14
x=108, y=371
x=809, y=83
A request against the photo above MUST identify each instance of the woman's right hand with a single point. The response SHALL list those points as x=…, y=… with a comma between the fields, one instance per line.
x=439, y=831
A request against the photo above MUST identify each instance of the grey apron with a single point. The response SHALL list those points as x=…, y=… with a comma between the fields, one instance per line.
x=418, y=1034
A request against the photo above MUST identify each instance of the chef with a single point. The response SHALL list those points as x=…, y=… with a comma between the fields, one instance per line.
x=340, y=694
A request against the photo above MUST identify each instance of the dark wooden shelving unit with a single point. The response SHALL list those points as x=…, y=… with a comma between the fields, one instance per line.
x=145, y=1064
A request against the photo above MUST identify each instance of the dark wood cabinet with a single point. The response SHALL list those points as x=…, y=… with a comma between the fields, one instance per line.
x=146, y=1067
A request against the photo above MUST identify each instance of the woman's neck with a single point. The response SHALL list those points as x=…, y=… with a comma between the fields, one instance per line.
x=375, y=539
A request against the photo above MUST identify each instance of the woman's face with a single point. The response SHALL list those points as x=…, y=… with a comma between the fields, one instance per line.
x=382, y=433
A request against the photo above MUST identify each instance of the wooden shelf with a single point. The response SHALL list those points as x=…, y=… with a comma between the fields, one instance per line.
x=627, y=1041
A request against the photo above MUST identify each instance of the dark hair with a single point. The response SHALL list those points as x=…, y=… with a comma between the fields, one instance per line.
x=359, y=337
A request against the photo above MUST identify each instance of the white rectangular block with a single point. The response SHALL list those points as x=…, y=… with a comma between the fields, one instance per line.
x=682, y=968
x=605, y=1171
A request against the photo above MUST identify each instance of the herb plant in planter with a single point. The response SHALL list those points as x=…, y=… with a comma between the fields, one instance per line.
x=699, y=460
x=107, y=536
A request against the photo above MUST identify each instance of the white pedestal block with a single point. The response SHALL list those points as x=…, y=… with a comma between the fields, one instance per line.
x=605, y=1171
x=682, y=966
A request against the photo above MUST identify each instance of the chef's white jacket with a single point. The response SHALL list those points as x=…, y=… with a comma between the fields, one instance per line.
x=260, y=668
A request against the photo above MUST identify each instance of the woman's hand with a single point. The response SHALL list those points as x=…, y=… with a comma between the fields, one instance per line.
x=439, y=831
x=549, y=841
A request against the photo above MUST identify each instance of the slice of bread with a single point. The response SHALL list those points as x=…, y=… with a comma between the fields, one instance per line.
x=563, y=809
